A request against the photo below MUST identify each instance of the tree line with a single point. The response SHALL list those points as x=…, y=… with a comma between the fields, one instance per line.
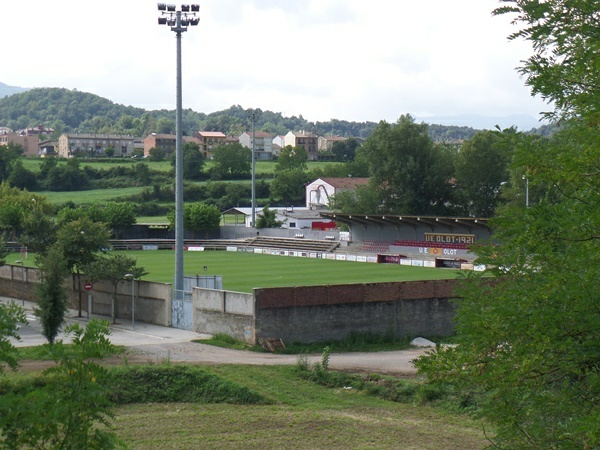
x=71, y=111
x=527, y=358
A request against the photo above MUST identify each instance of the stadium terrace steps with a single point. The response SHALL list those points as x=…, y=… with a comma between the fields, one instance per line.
x=312, y=245
x=223, y=244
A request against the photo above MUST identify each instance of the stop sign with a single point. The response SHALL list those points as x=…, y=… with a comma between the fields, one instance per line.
x=87, y=286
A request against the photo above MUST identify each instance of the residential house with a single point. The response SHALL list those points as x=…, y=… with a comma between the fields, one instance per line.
x=209, y=141
x=308, y=141
x=278, y=144
x=48, y=147
x=263, y=144
x=165, y=142
x=29, y=138
x=326, y=142
x=320, y=191
x=94, y=145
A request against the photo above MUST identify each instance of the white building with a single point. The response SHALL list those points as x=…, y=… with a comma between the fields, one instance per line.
x=263, y=144
x=292, y=217
x=320, y=191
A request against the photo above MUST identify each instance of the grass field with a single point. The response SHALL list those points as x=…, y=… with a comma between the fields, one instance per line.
x=303, y=415
x=244, y=271
x=97, y=196
x=262, y=167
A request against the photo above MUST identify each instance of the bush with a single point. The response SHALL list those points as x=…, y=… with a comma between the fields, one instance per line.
x=147, y=384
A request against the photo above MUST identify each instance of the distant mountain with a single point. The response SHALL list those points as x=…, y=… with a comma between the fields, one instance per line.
x=6, y=90
x=73, y=111
x=523, y=122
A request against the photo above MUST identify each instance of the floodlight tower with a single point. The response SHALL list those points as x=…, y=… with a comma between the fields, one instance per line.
x=253, y=115
x=178, y=20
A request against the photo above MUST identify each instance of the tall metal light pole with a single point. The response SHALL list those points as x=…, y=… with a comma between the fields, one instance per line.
x=253, y=115
x=178, y=20
x=22, y=279
x=132, y=276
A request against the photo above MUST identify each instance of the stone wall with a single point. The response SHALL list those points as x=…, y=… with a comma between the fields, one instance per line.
x=316, y=313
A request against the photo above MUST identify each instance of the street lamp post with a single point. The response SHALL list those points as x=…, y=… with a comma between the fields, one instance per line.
x=130, y=275
x=526, y=191
x=253, y=114
x=22, y=279
x=179, y=22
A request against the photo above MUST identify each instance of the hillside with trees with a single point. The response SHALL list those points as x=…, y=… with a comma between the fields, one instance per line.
x=72, y=111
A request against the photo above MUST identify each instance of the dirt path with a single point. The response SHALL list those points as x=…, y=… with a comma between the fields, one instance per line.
x=390, y=363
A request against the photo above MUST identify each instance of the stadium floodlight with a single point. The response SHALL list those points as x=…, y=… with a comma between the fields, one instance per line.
x=178, y=21
x=253, y=115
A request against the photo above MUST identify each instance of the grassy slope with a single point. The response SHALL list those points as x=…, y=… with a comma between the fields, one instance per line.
x=104, y=195
x=303, y=416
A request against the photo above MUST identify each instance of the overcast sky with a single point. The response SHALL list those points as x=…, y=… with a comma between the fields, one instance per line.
x=351, y=60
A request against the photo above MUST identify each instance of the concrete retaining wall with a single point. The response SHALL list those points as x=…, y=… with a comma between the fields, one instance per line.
x=226, y=312
x=152, y=300
x=316, y=313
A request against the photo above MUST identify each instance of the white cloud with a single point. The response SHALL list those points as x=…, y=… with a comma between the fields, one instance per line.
x=323, y=59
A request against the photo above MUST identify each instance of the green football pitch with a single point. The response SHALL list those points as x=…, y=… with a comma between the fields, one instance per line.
x=244, y=271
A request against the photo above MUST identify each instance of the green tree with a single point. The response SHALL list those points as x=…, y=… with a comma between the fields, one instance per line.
x=38, y=232
x=287, y=188
x=11, y=218
x=12, y=317
x=165, y=125
x=157, y=154
x=3, y=251
x=563, y=68
x=8, y=155
x=52, y=295
x=268, y=219
x=80, y=241
x=411, y=172
x=67, y=177
x=193, y=161
x=116, y=215
x=142, y=173
x=113, y=268
x=291, y=158
x=363, y=199
x=528, y=328
x=231, y=161
x=201, y=217
x=345, y=150
x=72, y=409
x=48, y=163
x=110, y=152
x=235, y=193
x=22, y=178
x=481, y=169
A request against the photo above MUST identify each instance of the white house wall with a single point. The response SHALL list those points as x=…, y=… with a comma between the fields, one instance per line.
x=318, y=194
